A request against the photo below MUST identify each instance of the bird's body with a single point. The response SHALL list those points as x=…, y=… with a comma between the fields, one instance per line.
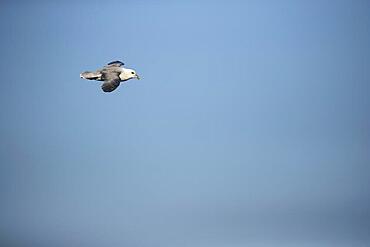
x=112, y=74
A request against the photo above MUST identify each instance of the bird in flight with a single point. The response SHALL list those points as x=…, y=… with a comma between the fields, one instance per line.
x=112, y=75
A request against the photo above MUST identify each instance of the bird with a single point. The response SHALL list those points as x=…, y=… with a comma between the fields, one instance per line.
x=111, y=74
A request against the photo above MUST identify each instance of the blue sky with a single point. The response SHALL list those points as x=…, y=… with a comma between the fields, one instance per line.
x=250, y=126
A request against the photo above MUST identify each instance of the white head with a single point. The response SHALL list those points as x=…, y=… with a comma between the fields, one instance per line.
x=128, y=74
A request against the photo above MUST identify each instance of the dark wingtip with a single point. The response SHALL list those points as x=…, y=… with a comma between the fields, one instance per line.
x=116, y=62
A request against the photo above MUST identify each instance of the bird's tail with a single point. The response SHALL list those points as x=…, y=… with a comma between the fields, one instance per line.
x=91, y=75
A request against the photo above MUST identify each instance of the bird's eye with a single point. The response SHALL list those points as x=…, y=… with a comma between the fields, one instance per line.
x=133, y=73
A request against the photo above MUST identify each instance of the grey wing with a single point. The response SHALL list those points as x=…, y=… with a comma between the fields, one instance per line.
x=111, y=81
x=115, y=64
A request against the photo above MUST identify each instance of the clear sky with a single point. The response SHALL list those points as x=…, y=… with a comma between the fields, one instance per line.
x=250, y=126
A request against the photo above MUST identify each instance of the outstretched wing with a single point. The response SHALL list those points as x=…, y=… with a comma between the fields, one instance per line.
x=111, y=81
x=115, y=64
x=109, y=86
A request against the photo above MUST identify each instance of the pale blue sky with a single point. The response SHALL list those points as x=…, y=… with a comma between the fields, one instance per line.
x=250, y=126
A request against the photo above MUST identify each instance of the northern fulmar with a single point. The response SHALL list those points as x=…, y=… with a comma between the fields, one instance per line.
x=112, y=74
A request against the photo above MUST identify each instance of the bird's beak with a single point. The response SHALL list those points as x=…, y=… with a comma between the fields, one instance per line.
x=137, y=77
